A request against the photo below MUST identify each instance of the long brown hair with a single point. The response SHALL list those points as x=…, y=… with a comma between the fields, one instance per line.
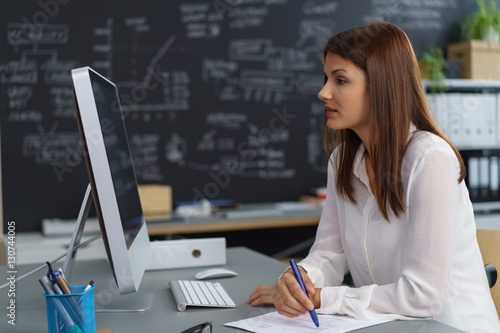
x=384, y=53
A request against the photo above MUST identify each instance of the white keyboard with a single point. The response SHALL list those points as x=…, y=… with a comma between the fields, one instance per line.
x=199, y=293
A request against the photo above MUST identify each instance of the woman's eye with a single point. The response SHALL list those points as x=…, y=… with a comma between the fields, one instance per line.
x=340, y=81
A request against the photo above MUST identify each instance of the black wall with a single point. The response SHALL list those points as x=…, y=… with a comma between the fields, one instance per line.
x=220, y=96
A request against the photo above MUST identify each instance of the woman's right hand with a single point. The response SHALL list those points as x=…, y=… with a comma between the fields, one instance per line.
x=289, y=298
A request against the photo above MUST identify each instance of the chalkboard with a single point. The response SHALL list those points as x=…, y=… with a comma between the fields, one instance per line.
x=220, y=97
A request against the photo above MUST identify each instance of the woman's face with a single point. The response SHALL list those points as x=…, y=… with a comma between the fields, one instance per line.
x=345, y=95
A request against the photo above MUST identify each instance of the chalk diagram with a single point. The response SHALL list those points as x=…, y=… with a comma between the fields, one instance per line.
x=155, y=93
x=40, y=70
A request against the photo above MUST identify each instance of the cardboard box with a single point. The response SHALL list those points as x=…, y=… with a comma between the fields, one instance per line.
x=479, y=59
x=155, y=199
x=424, y=70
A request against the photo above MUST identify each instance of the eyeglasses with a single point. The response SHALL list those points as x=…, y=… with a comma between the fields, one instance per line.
x=201, y=328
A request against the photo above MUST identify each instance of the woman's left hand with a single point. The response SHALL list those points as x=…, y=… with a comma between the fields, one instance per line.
x=261, y=295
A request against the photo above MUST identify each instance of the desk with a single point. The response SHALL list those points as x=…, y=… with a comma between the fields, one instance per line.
x=163, y=317
x=158, y=225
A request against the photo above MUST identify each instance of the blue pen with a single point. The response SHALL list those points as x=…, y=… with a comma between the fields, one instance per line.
x=298, y=276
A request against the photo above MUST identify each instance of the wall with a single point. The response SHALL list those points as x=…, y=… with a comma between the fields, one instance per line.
x=220, y=97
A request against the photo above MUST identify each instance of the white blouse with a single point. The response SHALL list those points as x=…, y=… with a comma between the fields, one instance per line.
x=424, y=264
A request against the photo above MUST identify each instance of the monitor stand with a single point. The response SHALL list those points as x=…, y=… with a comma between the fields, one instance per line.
x=105, y=301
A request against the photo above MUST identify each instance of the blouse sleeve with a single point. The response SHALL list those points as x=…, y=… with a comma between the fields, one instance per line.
x=421, y=290
x=326, y=262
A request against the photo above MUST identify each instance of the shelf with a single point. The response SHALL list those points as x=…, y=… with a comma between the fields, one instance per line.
x=465, y=83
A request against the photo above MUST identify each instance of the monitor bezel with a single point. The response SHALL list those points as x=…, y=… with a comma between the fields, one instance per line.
x=127, y=264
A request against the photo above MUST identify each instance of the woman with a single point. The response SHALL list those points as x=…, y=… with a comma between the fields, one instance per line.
x=397, y=213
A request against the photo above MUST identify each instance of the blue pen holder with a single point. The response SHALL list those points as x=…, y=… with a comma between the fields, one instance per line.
x=71, y=313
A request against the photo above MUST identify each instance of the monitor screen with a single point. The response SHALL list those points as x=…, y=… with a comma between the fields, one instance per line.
x=112, y=177
x=118, y=153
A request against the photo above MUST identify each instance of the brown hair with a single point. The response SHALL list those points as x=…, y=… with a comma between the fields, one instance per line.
x=384, y=53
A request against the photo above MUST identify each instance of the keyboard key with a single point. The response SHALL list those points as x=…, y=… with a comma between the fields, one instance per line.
x=222, y=292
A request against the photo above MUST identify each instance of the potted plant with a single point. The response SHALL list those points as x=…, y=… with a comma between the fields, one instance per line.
x=483, y=24
x=480, y=51
x=432, y=66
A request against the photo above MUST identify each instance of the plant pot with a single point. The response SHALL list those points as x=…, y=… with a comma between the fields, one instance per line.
x=492, y=35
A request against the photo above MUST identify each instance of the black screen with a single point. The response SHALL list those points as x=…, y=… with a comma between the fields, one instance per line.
x=119, y=156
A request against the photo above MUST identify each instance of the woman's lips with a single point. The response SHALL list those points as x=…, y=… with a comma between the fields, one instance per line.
x=329, y=111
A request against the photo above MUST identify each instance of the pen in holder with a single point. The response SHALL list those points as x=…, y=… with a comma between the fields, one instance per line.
x=71, y=313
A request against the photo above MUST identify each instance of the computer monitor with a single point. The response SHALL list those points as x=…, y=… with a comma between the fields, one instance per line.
x=113, y=184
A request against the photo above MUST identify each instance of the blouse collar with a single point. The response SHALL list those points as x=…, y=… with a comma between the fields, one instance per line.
x=359, y=167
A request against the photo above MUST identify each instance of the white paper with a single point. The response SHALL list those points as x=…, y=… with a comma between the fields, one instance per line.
x=273, y=322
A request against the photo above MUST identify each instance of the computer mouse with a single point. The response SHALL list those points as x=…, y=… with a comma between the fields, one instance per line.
x=213, y=273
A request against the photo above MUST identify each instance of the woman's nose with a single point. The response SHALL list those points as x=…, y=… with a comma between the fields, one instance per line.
x=324, y=94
